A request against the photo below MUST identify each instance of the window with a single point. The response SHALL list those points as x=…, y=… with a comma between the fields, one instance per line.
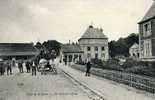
x=88, y=48
x=147, y=48
x=80, y=58
x=70, y=58
x=147, y=29
x=102, y=48
x=96, y=48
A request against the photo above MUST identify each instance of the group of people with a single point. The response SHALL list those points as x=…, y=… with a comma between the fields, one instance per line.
x=7, y=66
x=29, y=65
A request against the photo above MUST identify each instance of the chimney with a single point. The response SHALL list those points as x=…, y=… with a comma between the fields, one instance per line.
x=101, y=29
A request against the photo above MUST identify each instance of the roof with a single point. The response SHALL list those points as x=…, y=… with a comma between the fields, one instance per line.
x=135, y=45
x=150, y=14
x=71, y=48
x=93, y=33
x=17, y=49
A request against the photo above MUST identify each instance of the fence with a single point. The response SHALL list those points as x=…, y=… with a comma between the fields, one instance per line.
x=133, y=80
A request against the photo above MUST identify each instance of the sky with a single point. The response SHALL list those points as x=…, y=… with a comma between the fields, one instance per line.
x=64, y=20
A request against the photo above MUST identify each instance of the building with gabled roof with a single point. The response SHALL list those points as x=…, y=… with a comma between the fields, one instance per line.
x=134, y=50
x=93, y=33
x=71, y=53
x=71, y=48
x=17, y=51
x=147, y=35
x=94, y=44
x=150, y=14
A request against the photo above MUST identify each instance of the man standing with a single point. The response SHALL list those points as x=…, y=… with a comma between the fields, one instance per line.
x=28, y=66
x=88, y=66
x=13, y=63
x=9, y=69
x=53, y=64
x=2, y=67
x=34, y=69
x=20, y=66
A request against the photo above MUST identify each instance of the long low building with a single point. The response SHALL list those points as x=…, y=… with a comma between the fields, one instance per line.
x=71, y=53
x=9, y=51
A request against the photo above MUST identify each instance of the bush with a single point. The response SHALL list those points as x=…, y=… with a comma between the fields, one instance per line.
x=112, y=64
x=141, y=70
x=129, y=66
x=139, y=67
x=129, y=63
x=97, y=63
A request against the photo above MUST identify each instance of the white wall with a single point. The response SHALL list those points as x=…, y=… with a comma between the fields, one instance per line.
x=84, y=43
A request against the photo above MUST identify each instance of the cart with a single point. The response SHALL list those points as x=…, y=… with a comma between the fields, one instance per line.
x=44, y=69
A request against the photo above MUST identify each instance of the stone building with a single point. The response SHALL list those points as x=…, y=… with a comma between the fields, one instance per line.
x=147, y=35
x=71, y=53
x=94, y=44
x=134, y=50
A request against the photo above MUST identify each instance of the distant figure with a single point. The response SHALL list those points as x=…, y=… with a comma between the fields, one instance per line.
x=13, y=63
x=88, y=66
x=28, y=66
x=20, y=66
x=9, y=68
x=2, y=68
x=65, y=61
x=36, y=62
x=53, y=64
x=33, y=69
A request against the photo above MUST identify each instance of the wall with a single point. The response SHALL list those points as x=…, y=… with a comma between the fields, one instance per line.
x=153, y=37
x=143, y=39
x=84, y=43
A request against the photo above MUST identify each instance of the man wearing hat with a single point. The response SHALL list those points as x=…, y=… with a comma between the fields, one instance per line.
x=9, y=68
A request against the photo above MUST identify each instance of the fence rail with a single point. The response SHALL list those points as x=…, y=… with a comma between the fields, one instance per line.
x=133, y=80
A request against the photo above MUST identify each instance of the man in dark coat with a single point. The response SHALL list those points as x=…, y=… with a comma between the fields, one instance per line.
x=28, y=66
x=9, y=68
x=2, y=68
x=20, y=66
x=88, y=66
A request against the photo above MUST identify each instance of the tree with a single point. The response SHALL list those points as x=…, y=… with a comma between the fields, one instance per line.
x=38, y=45
x=52, y=45
x=122, y=45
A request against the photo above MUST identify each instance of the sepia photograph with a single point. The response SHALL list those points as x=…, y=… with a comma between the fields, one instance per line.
x=77, y=49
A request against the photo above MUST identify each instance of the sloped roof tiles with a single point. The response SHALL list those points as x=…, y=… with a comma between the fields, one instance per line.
x=93, y=33
x=17, y=49
x=150, y=13
x=135, y=45
x=71, y=48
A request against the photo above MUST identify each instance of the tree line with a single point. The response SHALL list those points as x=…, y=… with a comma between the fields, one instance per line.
x=116, y=48
x=49, y=49
x=122, y=45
